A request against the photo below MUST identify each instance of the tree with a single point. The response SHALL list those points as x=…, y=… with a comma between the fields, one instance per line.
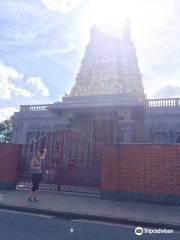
x=5, y=131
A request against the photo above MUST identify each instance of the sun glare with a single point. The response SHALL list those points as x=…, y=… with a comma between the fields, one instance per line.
x=113, y=12
x=110, y=11
x=106, y=11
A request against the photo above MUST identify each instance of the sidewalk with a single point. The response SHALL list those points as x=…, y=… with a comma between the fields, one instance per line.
x=74, y=206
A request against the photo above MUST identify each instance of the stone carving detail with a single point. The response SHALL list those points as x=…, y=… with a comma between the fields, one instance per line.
x=95, y=89
x=109, y=66
x=116, y=89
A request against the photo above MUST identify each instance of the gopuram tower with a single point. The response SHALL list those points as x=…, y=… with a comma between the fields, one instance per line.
x=109, y=65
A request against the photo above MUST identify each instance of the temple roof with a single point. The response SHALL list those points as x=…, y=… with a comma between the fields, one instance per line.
x=103, y=101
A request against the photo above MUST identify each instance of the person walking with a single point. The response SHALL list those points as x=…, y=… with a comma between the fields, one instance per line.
x=36, y=170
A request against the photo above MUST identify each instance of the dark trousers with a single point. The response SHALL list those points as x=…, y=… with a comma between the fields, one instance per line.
x=36, y=178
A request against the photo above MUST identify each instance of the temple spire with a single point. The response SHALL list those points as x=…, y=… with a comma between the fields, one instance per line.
x=109, y=65
x=127, y=29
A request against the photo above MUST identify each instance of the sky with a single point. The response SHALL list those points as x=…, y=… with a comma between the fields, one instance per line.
x=42, y=43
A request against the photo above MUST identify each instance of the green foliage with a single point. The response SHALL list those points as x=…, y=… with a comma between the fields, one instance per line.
x=5, y=131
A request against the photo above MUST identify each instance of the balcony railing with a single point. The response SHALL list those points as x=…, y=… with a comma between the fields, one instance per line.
x=34, y=108
x=164, y=102
x=150, y=103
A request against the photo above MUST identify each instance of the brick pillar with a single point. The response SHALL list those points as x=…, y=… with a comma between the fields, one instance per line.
x=9, y=159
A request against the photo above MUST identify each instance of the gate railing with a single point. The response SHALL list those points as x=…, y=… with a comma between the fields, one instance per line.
x=71, y=161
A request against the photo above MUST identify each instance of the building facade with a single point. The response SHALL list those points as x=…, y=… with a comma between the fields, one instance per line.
x=107, y=103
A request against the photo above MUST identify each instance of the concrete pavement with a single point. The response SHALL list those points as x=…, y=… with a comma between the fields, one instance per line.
x=86, y=207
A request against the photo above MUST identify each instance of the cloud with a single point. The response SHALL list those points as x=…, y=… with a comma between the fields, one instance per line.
x=38, y=86
x=53, y=52
x=21, y=92
x=6, y=113
x=61, y=5
x=8, y=78
x=162, y=87
x=9, y=72
x=168, y=92
x=14, y=23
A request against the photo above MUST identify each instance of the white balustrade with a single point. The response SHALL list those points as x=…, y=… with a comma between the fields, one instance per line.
x=34, y=108
x=166, y=102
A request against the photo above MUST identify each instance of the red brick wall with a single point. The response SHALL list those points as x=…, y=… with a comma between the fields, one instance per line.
x=9, y=157
x=146, y=168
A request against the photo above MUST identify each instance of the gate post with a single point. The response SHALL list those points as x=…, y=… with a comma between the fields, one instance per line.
x=9, y=160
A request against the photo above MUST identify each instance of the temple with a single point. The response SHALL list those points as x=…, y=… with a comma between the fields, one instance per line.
x=107, y=103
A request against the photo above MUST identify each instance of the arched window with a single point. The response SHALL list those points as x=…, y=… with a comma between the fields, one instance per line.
x=96, y=89
x=116, y=89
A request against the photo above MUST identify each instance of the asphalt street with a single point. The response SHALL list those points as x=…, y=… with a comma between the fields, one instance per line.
x=22, y=226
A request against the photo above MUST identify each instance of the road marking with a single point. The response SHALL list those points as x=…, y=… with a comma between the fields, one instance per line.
x=101, y=222
x=26, y=213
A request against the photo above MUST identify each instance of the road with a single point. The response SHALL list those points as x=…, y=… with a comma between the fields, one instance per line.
x=22, y=226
